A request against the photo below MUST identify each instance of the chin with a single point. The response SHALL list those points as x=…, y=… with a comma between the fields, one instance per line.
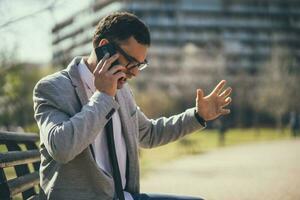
x=121, y=84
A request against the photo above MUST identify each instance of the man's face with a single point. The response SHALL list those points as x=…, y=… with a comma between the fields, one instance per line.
x=136, y=50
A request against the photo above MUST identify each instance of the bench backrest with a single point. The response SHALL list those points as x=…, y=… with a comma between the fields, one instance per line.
x=21, y=152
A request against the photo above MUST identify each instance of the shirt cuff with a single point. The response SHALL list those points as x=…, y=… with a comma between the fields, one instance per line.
x=199, y=119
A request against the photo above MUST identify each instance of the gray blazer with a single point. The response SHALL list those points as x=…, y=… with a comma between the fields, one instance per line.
x=69, y=122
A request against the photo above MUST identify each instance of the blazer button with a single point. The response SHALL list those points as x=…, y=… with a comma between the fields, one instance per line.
x=111, y=112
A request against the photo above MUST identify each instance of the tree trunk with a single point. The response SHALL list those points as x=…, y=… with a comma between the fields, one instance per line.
x=279, y=124
x=256, y=124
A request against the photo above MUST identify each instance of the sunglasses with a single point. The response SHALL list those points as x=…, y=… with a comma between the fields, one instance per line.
x=130, y=59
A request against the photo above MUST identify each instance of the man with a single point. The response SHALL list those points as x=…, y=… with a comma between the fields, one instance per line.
x=91, y=127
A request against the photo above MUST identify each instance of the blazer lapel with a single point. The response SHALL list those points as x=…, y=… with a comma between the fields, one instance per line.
x=124, y=115
x=74, y=75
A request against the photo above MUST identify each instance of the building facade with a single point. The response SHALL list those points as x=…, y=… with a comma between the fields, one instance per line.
x=193, y=41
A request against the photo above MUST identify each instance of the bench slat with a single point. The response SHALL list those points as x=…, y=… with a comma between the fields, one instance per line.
x=6, y=136
x=13, y=158
x=23, y=183
x=4, y=190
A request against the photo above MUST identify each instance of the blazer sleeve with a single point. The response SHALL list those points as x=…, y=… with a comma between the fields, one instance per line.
x=67, y=136
x=153, y=133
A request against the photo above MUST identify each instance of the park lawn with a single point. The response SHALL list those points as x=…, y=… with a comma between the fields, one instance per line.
x=204, y=141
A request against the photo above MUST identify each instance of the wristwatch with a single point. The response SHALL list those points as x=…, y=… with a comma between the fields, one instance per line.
x=199, y=118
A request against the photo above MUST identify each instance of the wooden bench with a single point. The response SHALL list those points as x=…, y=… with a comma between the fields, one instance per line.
x=19, y=159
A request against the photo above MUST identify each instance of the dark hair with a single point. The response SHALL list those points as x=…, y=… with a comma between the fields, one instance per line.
x=120, y=26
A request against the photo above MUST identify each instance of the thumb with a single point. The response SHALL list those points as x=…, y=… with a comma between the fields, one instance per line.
x=200, y=94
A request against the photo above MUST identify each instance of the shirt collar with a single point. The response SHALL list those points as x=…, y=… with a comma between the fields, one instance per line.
x=86, y=75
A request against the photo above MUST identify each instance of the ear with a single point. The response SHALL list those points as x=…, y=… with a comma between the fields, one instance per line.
x=103, y=42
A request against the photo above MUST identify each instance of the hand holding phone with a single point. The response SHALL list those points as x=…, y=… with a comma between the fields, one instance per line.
x=101, y=51
x=106, y=77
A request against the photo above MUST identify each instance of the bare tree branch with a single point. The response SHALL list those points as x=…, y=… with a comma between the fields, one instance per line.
x=52, y=5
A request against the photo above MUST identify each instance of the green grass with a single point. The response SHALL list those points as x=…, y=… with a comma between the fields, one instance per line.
x=204, y=141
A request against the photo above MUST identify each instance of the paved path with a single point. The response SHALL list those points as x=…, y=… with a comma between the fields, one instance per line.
x=264, y=171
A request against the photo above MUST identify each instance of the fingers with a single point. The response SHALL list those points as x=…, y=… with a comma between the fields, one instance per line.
x=226, y=93
x=108, y=62
x=116, y=68
x=227, y=101
x=219, y=87
x=225, y=111
x=119, y=75
x=200, y=94
x=100, y=64
x=105, y=63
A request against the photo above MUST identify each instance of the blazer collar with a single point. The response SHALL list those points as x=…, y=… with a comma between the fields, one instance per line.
x=75, y=78
x=73, y=72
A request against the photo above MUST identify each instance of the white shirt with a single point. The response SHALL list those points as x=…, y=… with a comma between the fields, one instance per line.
x=100, y=144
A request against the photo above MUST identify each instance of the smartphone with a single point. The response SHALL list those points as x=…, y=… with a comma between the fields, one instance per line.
x=104, y=49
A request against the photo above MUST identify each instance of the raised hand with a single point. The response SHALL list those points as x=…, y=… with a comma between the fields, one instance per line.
x=212, y=106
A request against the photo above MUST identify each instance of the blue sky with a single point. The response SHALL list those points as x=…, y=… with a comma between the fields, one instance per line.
x=30, y=39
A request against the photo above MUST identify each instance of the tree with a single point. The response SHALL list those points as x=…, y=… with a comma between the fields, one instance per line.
x=277, y=90
x=16, y=86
